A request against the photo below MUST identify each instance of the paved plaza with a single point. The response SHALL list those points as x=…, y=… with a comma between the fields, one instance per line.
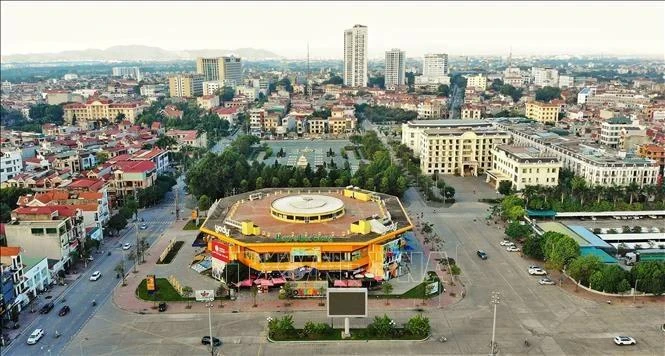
x=314, y=150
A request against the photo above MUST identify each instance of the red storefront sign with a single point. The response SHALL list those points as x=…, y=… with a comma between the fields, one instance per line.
x=219, y=250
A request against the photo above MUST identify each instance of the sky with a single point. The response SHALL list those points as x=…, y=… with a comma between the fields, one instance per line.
x=456, y=28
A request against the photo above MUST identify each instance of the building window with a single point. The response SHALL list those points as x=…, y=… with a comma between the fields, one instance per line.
x=37, y=231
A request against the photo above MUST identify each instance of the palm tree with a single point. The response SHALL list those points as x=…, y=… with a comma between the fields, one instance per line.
x=387, y=288
x=631, y=189
x=221, y=292
x=614, y=192
x=648, y=191
x=578, y=185
x=529, y=192
x=598, y=191
x=120, y=269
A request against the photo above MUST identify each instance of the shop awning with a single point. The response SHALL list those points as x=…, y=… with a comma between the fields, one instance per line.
x=354, y=283
x=340, y=283
x=279, y=280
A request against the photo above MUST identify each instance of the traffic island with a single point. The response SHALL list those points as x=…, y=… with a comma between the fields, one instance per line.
x=382, y=328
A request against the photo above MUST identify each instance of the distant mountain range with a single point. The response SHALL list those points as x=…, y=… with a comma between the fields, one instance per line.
x=137, y=53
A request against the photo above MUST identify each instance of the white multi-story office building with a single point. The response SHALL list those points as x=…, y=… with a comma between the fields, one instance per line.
x=610, y=131
x=545, y=77
x=12, y=164
x=127, y=72
x=597, y=165
x=523, y=166
x=479, y=82
x=355, y=56
x=584, y=94
x=227, y=69
x=395, y=70
x=566, y=81
x=435, y=69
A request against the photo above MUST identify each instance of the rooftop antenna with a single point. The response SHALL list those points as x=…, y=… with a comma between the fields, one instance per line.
x=510, y=56
x=307, y=85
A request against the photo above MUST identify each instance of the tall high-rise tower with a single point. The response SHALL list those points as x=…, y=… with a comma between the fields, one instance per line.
x=227, y=68
x=395, y=68
x=355, y=56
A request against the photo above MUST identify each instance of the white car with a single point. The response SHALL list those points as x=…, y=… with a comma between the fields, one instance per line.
x=546, y=281
x=507, y=243
x=144, y=226
x=537, y=272
x=624, y=340
x=126, y=246
x=512, y=249
x=534, y=266
x=95, y=275
x=35, y=336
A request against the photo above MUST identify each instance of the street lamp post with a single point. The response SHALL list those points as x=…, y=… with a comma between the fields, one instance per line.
x=212, y=343
x=495, y=300
x=635, y=290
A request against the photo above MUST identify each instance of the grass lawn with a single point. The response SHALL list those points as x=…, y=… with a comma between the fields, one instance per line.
x=191, y=225
x=165, y=292
x=416, y=292
x=336, y=335
x=174, y=251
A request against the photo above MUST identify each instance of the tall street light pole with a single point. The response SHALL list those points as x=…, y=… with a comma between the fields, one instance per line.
x=212, y=343
x=495, y=300
x=635, y=290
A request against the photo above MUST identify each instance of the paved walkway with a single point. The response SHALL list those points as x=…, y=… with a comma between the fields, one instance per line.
x=125, y=297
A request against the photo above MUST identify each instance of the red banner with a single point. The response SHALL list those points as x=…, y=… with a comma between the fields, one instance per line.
x=219, y=250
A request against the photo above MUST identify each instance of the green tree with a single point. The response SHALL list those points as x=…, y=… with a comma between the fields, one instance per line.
x=517, y=230
x=443, y=90
x=505, y=187
x=119, y=118
x=381, y=326
x=418, y=326
x=335, y=79
x=8, y=199
x=45, y=113
x=116, y=223
x=548, y=93
x=559, y=249
x=186, y=292
x=583, y=267
x=166, y=142
x=533, y=247
x=120, y=269
x=204, y=202
x=282, y=327
x=387, y=289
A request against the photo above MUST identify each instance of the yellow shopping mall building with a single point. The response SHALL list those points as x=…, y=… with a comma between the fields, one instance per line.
x=346, y=230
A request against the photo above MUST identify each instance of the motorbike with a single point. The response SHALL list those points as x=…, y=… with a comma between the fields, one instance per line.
x=94, y=303
x=56, y=335
x=108, y=253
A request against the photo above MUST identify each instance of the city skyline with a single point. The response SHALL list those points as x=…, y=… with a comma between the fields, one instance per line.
x=476, y=28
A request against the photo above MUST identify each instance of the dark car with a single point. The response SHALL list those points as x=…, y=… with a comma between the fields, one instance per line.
x=482, y=254
x=215, y=341
x=64, y=310
x=46, y=308
x=162, y=307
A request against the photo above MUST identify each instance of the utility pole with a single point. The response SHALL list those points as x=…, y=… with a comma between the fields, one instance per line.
x=136, y=227
x=177, y=209
x=212, y=343
x=495, y=300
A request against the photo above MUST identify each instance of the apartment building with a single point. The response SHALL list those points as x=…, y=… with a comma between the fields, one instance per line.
x=412, y=129
x=584, y=94
x=616, y=97
x=355, y=56
x=228, y=114
x=28, y=277
x=185, y=85
x=210, y=87
x=395, y=68
x=472, y=112
x=654, y=152
x=478, y=82
x=58, y=96
x=431, y=109
x=256, y=118
x=610, y=131
x=545, y=77
x=342, y=125
x=566, y=81
x=207, y=102
x=227, y=69
x=129, y=177
x=127, y=72
x=101, y=108
x=543, y=112
x=435, y=69
x=523, y=166
x=189, y=138
x=597, y=165
x=317, y=126
x=47, y=231
x=513, y=76
x=632, y=137
x=463, y=151
x=12, y=164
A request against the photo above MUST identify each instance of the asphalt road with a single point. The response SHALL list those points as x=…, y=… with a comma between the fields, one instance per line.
x=554, y=321
x=82, y=291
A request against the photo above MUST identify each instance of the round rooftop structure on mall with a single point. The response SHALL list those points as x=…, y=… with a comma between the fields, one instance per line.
x=310, y=208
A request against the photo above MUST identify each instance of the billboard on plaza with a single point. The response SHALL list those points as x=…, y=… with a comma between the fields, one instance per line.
x=204, y=295
x=219, y=250
x=347, y=302
x=150, y=283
